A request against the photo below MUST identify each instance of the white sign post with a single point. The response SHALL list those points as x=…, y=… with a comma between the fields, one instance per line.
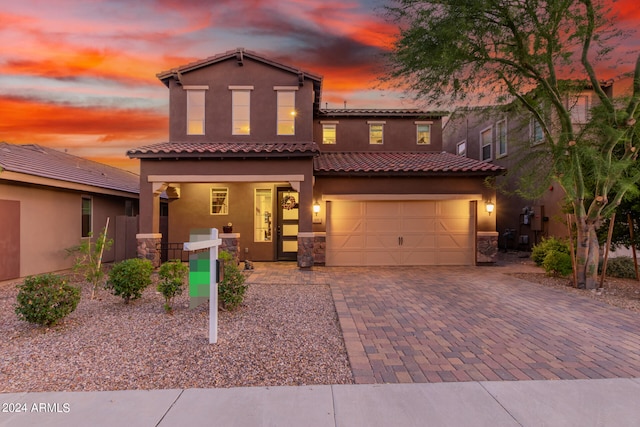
x=211, y=244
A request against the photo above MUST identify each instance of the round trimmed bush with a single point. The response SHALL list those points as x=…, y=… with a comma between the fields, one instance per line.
x=129, y=278
x=540, y=251
x=46, y=299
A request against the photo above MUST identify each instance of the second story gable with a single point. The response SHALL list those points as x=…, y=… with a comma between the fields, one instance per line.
x=240, y=96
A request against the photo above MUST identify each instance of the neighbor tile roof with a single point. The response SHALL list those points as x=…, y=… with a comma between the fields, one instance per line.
x=400, y=163
x=49, y=163
x=225, y=149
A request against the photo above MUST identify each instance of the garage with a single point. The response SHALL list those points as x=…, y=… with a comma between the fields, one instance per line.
x=410, y=232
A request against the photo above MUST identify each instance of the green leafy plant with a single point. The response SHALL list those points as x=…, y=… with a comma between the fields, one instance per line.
x=172, y=275
x=622, y=267
x=129, y=278
x=557, y=263
x=547, y=245
x=46, y=299
x=231, y=289
x=88, y=259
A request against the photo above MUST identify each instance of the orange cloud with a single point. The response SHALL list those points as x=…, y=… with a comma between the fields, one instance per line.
x=26, y=121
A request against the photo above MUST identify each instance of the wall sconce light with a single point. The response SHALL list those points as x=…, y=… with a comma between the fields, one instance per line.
x=316, y=208
x=489, y=206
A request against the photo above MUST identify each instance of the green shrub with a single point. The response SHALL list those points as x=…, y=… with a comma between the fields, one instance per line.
x=557, y=263
x=622, y=267
x=46, y=299
x=129, y=278
x=88, y=259
x=540, y=251
x=171, y=276
x=232, y=288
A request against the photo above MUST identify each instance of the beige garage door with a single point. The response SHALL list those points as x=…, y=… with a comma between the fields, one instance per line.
x=424, y=232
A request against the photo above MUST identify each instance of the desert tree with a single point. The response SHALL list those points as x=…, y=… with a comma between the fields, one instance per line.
x=541, y=55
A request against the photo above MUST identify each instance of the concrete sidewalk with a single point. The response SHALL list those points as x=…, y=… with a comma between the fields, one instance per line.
x=606, y=402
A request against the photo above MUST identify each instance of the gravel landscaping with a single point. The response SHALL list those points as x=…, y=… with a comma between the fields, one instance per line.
x=281, y=335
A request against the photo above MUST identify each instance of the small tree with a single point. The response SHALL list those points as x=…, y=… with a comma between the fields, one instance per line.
x=46, y=299
x=88, y=258
x=130, y=278
x=172, y=275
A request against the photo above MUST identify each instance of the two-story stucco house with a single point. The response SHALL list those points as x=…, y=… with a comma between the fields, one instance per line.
x=250, y=145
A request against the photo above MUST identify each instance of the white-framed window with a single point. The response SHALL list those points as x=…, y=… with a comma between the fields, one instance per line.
x=501, y=138
x=195, y=111
x=219, y=201
x=286, y=112
x=423, y=133
x=535, y=131
x=87, y=214
x=241, y=110
x=461, y=148
x=580, y=109
x=376, y=132
x=263, y=206
x=329, y=133
x=486, y=142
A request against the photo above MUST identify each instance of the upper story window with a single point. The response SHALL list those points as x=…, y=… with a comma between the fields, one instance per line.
x=423, y=132
x=376, y=132
x=536, y=134
x=486, y=143
x=87, y=210
x=286, y=110
x=329, y=132
x=219, y=201
x=461, y=148
x=580, y=109
x=501, y=136
x=240, y=109
x=195, y=110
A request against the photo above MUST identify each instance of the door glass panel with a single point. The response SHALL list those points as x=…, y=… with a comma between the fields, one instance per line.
x=290, y=230
x=290, y=246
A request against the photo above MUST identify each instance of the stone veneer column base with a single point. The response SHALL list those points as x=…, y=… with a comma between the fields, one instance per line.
x=319, y=248
x=305, y=249
x=486, y=247
x=148, y=247
x=231, y=244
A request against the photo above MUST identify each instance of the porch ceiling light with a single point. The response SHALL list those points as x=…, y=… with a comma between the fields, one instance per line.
x=489, y=206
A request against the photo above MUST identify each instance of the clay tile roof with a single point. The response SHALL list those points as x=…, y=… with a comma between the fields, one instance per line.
x=225, y=149
x=408, y=112
x=396, y=163
x=49, y=163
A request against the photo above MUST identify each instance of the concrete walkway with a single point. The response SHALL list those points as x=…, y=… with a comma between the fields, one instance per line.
x=609, y=402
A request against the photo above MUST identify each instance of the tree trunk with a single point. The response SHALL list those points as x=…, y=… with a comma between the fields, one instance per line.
x=587, y=254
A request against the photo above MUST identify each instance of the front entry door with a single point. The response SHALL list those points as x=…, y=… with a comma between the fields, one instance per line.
x=287, y=224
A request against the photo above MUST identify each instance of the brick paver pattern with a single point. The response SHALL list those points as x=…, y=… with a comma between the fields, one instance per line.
x=442, y=324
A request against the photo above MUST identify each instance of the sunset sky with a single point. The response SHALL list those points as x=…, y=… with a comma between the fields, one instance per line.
x=80, y=74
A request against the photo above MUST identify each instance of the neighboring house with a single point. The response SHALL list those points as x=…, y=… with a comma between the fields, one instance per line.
x=250, y=145
x=50, y=200
x=503, y=135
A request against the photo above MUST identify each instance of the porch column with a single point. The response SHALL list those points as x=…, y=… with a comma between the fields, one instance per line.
x=305, y=225
x=149, y=237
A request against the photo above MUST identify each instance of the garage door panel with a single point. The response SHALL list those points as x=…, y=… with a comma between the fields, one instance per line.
x=423, y=208
x=454, y=208
x=419, y=225
x=452, y=225
x=345, y=258
x=381, y=241
x=379, y=225
x=347, y=241
x=382, y=209
x=347, y=225
x=374, y=257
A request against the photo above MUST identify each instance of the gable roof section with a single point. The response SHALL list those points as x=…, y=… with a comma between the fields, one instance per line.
x=239, y=55
x=43, y=162
x=401, y=163
x=224, y=150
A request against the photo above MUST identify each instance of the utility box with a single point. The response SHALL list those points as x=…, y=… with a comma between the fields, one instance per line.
x=536, y=220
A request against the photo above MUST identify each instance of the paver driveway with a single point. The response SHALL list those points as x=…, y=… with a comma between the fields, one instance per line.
x=426, y=324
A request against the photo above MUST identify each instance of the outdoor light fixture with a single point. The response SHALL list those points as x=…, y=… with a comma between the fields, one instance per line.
x=316, y=208
x=489, y=206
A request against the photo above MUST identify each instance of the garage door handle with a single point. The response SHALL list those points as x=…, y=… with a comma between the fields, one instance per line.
x=400, y=241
